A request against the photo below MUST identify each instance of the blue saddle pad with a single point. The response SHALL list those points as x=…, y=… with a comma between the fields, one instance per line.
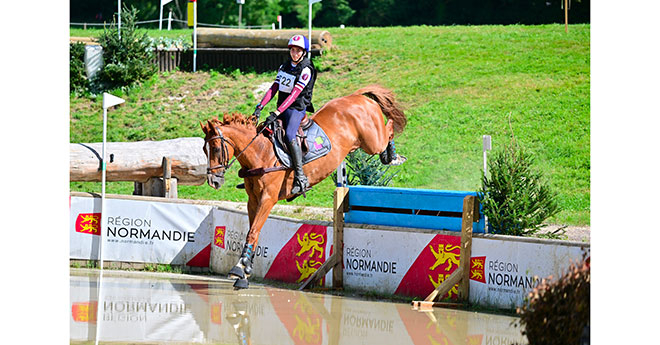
x=317, y=141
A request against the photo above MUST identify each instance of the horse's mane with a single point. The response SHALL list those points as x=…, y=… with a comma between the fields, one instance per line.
x=235, y=119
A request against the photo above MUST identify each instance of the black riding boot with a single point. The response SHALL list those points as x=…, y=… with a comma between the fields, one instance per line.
x=300, y=183
x=243, y=269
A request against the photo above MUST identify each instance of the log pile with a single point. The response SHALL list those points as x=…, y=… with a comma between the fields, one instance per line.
x=244, y=38
x=140, y=161
x=86, y=40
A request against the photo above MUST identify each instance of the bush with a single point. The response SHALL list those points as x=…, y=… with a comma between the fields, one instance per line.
x=557, y=312
x=77, y=74
x=128, y=59
x=366, y=170
x=514, y=197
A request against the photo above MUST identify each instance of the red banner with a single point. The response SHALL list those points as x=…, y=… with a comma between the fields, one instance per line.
x=301, y=256
x=219, y=236
x=89, y=223
x=84, y=311
x=477, y=271
x=433, y=265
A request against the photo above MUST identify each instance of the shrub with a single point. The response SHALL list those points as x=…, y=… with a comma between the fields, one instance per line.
x=557, y=312
x=77, y=74
x=128, y=59
x=514, y=197
x=366, y=170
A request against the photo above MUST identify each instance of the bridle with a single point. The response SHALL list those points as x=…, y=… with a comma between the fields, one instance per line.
x=224, y=153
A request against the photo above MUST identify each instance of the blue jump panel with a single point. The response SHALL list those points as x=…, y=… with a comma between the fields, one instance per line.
x=405, y=207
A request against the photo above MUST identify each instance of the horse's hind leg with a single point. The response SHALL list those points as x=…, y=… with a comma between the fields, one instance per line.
x=375, y=141
x=381, y=142
x=389, y=155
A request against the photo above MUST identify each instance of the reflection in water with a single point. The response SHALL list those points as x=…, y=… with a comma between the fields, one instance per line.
x=143, y=308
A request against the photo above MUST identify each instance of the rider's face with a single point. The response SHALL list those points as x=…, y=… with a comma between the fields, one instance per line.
x=296, y=53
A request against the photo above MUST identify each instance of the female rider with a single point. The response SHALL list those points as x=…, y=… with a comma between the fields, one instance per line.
x=295, y=83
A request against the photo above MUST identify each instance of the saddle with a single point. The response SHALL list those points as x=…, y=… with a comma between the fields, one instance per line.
x=314, y=143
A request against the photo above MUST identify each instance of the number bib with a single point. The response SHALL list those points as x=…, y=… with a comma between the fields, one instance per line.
x=286, y=81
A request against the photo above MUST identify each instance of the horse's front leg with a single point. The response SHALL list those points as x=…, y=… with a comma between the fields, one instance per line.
x=260, y=203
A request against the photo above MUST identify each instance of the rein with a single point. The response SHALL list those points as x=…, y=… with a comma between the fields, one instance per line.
x=223, y=150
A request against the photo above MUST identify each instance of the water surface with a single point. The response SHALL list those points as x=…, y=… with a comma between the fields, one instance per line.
x=154, y=308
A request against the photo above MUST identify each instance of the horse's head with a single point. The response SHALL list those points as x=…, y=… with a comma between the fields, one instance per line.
x=218, y=151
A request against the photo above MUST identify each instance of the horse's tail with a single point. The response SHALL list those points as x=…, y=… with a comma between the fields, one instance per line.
x=387, y=103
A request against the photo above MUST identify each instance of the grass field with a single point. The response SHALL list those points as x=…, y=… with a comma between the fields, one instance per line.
x=456, y=84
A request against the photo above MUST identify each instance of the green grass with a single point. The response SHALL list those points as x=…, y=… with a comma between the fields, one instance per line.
x=456, y=84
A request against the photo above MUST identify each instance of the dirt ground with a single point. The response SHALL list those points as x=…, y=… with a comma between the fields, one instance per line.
x=571, y=233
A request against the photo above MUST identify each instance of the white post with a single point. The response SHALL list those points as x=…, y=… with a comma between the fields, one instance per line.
x=195, y=36
x=486, y=147
x=240, y=11
x=160, y=18
x=279, y=21
x=309, y=54
x=102, y=226
x=169, y=21
x=309, y=36
x=108, y=101
x=119, y=18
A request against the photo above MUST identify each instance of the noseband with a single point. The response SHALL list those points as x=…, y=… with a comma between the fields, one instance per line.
x=224, y=153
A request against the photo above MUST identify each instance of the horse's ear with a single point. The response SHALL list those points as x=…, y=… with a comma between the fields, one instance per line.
x=202, y=125
x=211, y=128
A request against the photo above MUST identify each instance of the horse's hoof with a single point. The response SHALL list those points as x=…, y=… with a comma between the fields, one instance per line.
x=236, y=273
x=241, y=284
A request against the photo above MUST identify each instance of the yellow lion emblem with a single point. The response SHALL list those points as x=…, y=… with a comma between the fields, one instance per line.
x=311, y=242
x=444, y=254
x=441, y=278
x=307, y=269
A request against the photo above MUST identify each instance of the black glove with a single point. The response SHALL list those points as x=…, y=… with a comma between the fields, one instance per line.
x=257, y=112
x=270, y=119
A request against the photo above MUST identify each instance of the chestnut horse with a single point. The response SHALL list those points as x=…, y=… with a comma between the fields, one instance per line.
x=350, y=122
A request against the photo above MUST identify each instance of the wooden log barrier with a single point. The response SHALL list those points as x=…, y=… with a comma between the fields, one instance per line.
x=247, y=38
x=141, y=161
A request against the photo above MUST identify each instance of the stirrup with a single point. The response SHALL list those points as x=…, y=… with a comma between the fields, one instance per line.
x=302, y=184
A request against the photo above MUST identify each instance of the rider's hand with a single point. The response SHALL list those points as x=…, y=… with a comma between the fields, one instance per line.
x=257, y=112
x=270, y=119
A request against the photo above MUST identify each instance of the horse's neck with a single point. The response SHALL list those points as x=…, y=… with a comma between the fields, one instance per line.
x=256, y=154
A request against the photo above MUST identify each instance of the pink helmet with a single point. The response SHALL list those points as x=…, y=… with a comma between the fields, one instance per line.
x=299, y=41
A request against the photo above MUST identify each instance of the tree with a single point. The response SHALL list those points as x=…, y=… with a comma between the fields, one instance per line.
x=128, y=59
x=334, y=13
x=515, y=198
